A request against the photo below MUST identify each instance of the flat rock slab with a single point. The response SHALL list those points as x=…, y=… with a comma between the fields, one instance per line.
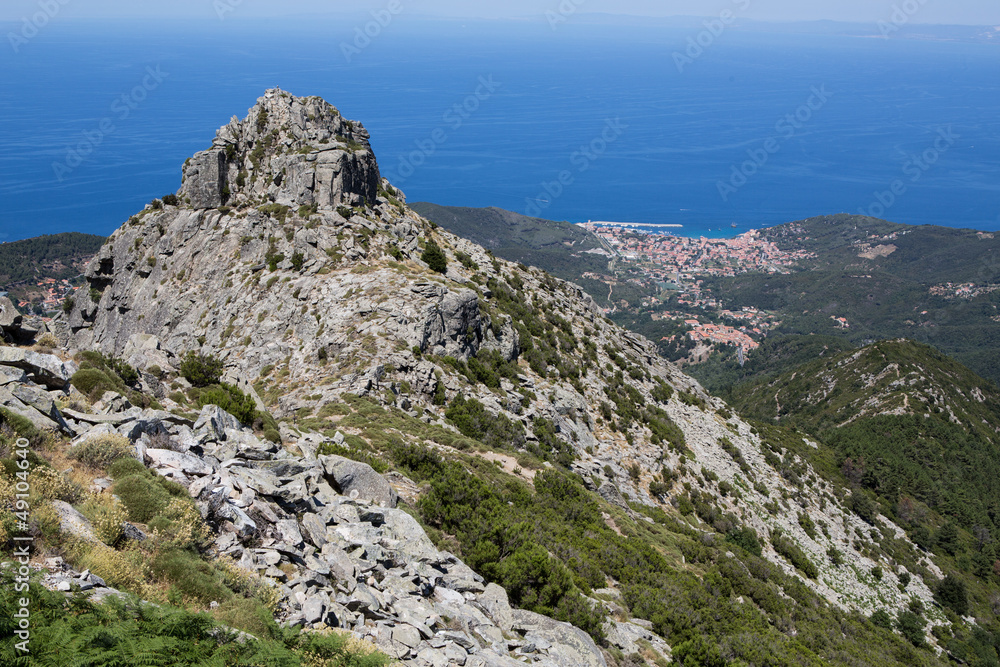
x=571, y=647
x=359, y=481
x=46, y=369
x=187, y=463
x=72, y=522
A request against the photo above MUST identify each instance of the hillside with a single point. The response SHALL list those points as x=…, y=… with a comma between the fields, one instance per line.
x=560, y=248
x=25, y=263
x=912, y=426
x=935, y=285
x=449, y=456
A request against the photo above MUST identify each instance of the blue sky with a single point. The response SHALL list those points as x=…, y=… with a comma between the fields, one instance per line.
x=976, y=12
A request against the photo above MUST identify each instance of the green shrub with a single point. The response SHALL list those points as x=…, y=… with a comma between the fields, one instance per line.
x=72, y=630
x=124, y=467
x=434, y=257
x=298, y=259
x=911, y=626
x=864, y=506
x=787, y=548
x=170, y=200
x=745, y=538
x=882, y=619
x=951, y=593
x=231, y=399
x=103, y=450
x=142, y=496
x=835, y=556
x=807, y=525
x=201, y=370
x=189, y=575
x=93, y=382
x=22, y=426
x=494, y=431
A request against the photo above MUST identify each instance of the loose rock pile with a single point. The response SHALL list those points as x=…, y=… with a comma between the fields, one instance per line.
x=327, y=531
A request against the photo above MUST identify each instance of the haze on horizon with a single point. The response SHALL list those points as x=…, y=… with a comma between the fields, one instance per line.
x=968, y=12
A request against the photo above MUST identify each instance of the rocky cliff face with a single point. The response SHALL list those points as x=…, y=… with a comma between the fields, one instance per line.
x=292, y=262
x=287, y=150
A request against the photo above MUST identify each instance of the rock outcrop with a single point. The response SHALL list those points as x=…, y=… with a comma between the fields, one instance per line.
x=290, y=260
x=327, y=533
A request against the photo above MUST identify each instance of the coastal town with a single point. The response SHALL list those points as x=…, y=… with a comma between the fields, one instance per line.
x=675, y=268
x=53, y=293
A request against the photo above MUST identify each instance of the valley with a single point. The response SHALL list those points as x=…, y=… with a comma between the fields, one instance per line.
x=288, y=404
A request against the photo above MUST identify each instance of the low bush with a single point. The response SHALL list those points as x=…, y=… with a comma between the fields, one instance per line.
x=107, y=516
x=142, y=496
x=50, y=484
x=72, y=630
x=434, y=257
x=231, y=399
x=201, y=370
x=791, y=551
x=125, y=467
x=103, y=450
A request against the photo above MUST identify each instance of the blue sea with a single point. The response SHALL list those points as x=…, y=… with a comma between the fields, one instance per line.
x=582, y=122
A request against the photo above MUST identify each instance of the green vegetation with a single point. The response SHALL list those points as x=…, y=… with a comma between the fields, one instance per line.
x=72, y=630
x=932, y=465
x=99, y=373
x=555, y=247
x=885, y=297
x=201, y=370
x=547, y=543
x=103, y=450
x=434, y=257
x=58, y=256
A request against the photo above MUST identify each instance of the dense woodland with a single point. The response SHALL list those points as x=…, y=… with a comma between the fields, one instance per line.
x=34, y=258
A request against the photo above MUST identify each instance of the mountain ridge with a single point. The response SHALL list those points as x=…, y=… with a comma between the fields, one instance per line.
x=343, y=311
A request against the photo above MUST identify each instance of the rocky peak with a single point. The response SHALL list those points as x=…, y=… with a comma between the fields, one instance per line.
x=309, y=285
x=288, y=150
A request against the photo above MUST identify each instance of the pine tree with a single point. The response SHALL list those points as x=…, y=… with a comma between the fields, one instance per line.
x=434, y=256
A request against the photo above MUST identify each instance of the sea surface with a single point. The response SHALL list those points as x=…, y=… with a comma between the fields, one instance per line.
x=578, y=122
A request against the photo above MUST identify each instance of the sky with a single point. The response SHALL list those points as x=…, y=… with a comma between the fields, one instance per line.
x=971, y=12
